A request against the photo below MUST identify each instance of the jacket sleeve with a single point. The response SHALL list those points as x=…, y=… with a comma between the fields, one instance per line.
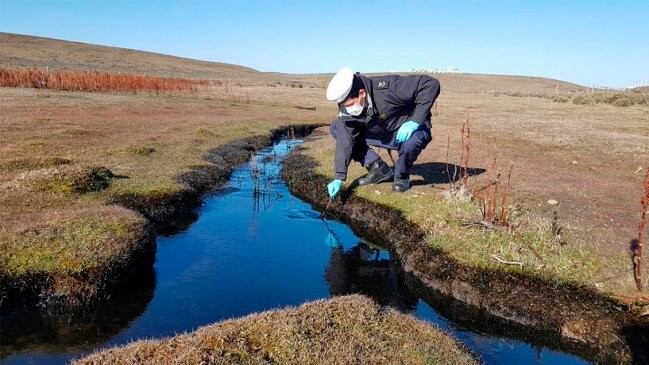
x=420, y=90
x=345, y=134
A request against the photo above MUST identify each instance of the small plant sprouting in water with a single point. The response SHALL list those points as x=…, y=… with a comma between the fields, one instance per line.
x=264, y=192
x=636, y=244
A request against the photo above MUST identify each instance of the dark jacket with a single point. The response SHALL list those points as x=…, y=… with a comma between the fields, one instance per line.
x=394, y=100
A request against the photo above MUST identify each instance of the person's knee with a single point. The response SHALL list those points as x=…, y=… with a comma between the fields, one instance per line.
x=418, y=141
x=425, y=136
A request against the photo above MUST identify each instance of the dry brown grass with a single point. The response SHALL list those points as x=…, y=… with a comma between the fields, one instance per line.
x=93, y=81
x=582, y=97
x=343, y=330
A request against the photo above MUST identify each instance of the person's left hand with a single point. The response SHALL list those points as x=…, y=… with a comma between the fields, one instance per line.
x=406, y=130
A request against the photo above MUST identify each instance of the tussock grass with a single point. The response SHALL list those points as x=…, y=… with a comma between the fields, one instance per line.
x=63, y=179
x=71, y=241
x=31, y=163
x=622, y=99
x=141, y=150
x=582, y=97
x=343, y=330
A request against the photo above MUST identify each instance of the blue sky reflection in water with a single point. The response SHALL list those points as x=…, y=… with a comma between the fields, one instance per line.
x=256, y=247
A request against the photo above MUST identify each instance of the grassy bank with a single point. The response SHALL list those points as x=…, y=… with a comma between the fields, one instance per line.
x=343, y=330
x=453, y=226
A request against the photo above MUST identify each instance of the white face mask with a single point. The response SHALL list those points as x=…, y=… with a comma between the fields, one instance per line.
x=354, y=110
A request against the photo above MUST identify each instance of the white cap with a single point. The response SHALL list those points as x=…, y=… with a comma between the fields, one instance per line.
x=340, y=85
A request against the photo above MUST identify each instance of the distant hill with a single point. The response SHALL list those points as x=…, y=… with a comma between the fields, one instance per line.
x=466, y=82
x=29, y=51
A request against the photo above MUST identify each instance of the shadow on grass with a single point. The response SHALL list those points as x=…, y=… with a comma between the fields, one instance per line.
x=432, y=173
x=438, y=173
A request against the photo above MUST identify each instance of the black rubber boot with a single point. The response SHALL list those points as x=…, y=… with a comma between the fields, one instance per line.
x=378, y=172
x=401, y=185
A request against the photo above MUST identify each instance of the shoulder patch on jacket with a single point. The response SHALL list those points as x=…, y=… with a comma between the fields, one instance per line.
x=383, y=84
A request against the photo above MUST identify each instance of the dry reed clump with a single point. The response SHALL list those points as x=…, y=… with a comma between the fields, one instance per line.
x=342, y=330
x=458, y=180
x=93, y=81
x=493, y=199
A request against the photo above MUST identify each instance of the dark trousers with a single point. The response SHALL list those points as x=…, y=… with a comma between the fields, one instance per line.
x=408, y=150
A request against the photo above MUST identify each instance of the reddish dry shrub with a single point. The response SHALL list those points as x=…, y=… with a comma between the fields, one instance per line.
x=93, y=81
x=493, y=199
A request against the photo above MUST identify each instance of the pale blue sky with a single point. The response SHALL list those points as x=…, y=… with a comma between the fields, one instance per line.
x=588, y=42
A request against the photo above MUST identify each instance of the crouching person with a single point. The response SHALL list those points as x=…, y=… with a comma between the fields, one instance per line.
x=391, y=112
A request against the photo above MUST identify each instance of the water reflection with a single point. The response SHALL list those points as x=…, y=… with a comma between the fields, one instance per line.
x=372, y=271
x=369, y=271
x=75, y=332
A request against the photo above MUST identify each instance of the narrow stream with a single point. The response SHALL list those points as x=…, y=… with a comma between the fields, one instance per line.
x=253, y=247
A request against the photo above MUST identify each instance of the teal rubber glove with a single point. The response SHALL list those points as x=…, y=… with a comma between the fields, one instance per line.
x=406, y=130
x=334, y=187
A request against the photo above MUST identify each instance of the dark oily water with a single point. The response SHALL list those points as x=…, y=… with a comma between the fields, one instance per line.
x=252, y=248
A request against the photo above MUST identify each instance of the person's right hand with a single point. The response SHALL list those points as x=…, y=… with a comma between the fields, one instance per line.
x=334, y=187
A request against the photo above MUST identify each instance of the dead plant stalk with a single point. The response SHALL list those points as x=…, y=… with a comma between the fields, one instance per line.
x=637, y=255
